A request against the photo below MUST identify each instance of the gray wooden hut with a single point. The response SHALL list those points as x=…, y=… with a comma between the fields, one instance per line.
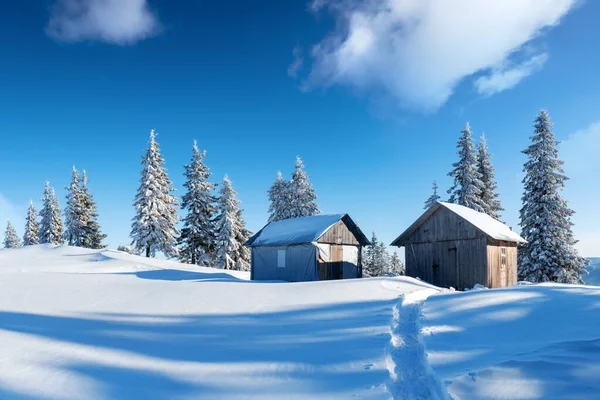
x=321, y=247
x=452, y=245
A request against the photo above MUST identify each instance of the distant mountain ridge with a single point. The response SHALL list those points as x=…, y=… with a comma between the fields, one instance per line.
x=593, y=276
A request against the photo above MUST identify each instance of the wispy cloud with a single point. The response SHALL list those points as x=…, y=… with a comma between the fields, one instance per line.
x=418, y=51
x=121, y=22
x=505, y=78
x=298, y=62
x=11, y=212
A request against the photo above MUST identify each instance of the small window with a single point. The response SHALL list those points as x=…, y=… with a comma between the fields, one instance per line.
x=503, y=258
x=280, y=258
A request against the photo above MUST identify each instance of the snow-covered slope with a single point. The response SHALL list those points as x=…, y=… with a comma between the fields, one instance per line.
x=525, y=342
x=593, y=276
x=81, y=324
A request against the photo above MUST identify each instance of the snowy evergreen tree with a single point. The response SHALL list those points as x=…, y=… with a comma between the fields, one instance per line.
x=11, y=239
x=51, y=226
x=302, y=194
x=280, y=197
x=32, y=227
x=197, y=235
x=375, y=258
x=231, y=233
x=92, y=237
x=434, y=198
x=396, y=265
x=468, y=186
x=127, y=248
x=489, y=197
x=153, y=228
x=74, y=212
x=549, y=254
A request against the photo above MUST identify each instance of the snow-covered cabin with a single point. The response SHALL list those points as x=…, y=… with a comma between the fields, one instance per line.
x=321, y=247
x=452, y=245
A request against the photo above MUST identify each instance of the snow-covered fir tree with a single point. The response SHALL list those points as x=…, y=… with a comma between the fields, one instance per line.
x=74, y=212
x=489, y=197
x=375, y=258
x=11, y=239
x=468, y=186
x=396, y=267
x=302, y=194
x=51, y=226
x=92, y=236
x=434, y=198
x=549, y=254
x=197, y=235
x=231, y=233
x=127, y=248
x=154, y=226
x=280, y=197
x=32, y=227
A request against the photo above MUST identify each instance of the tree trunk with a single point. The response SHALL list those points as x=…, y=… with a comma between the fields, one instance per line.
x=147, y=251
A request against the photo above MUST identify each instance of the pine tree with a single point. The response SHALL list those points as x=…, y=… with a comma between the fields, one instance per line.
x=396, y=265
x=51, y=226
x=467, y=187
x=549, y=254
x=197, y=235
x=153, y=227
x=231, y=233
x=11, y=239
x=302, y=194
x=489, y=197
x=434, y=198
x=32, y=227
x=92, y=237
x=279, y=195
x=375, y=258
x=74, y=212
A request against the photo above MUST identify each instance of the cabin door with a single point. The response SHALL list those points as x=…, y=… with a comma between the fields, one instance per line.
x=335, y=264
x=503, y=274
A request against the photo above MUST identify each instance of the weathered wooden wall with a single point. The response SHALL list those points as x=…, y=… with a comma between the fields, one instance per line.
x=444, y=225
x=496, y=277
x=338, y=234
x=457, y=263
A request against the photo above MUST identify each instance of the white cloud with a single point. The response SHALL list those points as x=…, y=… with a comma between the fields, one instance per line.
x=119, y=22
x=580, y=152
x=505, y=78
x=11, y=212
x=298, y=62
x=418, y=51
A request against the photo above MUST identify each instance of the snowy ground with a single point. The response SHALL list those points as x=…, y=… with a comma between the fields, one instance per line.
x=525, y=342
x=81, y=324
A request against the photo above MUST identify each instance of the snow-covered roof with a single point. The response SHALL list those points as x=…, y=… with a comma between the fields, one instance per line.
x=488, y=225
x=297, y=230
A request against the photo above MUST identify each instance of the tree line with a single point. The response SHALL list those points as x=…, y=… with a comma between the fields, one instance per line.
x=545, y=218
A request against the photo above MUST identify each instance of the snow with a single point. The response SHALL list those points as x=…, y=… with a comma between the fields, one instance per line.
x=493, y=228
x=593, y=276
x=525, y=342
x=295, y=230
x=100, y=324
x=89, y=324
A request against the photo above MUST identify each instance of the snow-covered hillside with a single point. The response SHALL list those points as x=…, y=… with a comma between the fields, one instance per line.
x=593, y=276
x=78, y=324
x=525, y=342
x=85, y=324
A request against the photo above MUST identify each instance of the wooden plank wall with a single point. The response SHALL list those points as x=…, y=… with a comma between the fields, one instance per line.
x=444, y=225
x=460, y=263
x=495, y=264
x=338, y=234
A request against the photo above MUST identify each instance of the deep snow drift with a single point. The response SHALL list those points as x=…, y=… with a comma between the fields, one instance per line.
x=78, y=323
x=84, y=324
x=525, y=342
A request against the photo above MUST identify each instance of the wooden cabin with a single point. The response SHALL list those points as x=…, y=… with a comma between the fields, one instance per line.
x=322, y=247
x=455, y=246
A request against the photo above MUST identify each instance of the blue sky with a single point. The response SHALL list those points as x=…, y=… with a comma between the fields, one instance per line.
x=373, y=97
